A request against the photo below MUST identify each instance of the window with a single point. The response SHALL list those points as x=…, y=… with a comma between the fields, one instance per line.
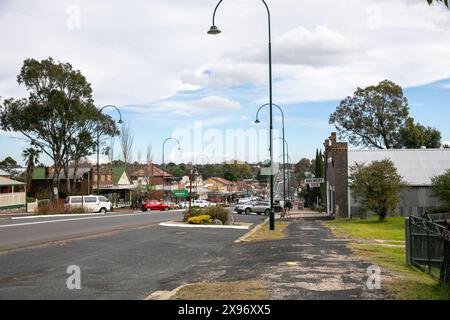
x=75, y=200
x=103, y=199
x=90, y=199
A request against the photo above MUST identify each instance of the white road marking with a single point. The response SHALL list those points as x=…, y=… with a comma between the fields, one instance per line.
x=75, y=219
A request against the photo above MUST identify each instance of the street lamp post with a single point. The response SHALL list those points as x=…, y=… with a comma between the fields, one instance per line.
x=163, y=163
x=283, y=137
x=285, y=155
x=98, y=144
x=213, y=31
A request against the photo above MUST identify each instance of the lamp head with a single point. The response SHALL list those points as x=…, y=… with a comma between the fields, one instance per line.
x=214, y=30
x=120, y=121
x=257, y=121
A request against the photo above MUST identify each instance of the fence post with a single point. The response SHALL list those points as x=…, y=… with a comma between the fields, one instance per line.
x=445, y=266
x=408, y=244
x=428, y=251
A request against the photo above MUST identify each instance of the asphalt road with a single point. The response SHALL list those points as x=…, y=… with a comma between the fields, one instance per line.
x=121, y=256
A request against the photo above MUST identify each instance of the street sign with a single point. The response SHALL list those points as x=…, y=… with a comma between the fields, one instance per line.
x=314, y=180
x=183, y=193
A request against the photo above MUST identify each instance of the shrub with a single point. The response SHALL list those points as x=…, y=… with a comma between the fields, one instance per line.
x=219, y=213
x=203, y=219
x=195, y=212
x=57, y=208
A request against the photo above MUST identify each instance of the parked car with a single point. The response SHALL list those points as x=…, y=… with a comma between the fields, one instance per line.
x=201, y=203
x=258, y=207
x=184, y=204
x=90, y=203
x=244, y=200
x=155, y=205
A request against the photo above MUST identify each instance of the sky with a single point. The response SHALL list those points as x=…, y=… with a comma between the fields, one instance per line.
x=154, y=61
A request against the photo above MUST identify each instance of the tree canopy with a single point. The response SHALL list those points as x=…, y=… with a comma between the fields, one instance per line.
x=58, y=117
x=373, y=116
x=441, y=187
x=378, y=117
x=445, y=2
x=414, y=136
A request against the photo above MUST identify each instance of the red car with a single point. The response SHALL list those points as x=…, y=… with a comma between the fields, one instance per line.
x=155, y=205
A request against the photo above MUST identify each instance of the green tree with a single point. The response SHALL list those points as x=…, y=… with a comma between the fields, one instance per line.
x=56, y=112
x=31, y=158
x=414, y=135
x=446, y=2
x=377, y=185
x=9, y=165
x=441, y=187
x=301, y=167
x=373, y=116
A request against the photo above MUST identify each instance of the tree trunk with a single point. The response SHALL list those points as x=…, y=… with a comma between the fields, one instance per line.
x=66, y=175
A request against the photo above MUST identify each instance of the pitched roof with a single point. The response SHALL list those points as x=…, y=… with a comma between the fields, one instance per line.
x=8, y=182
x=222, y=180
x=157, y=172
x=416, y=166
x=117, y=173
x=39, y=173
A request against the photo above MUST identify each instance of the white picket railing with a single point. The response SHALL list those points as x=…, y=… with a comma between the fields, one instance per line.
x=12, y=199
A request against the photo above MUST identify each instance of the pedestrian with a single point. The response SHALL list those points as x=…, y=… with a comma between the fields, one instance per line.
x=288, y=206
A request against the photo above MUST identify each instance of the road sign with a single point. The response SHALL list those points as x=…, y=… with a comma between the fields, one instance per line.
x=183, y=193
x=314, y=180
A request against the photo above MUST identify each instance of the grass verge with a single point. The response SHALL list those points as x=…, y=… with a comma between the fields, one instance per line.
x=264, y=234
x=405, y=282
x=236, y=290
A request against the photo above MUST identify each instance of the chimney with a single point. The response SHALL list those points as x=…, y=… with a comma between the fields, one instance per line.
x=333, y=137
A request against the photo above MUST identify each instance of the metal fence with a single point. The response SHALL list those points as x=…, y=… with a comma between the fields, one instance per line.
x=428, y=246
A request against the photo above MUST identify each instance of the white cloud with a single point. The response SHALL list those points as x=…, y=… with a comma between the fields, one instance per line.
x=147, y=51
x=300, y=46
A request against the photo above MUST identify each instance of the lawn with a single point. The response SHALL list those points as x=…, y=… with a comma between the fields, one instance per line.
x=391, y=229
x=405, y=282
x=236, y=290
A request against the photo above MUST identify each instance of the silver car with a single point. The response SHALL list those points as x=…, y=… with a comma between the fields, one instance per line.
x=258, y=207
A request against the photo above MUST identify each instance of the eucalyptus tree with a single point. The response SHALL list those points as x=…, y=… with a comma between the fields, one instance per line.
x=58, y=117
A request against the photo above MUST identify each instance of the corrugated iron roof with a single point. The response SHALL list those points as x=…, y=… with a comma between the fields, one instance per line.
x=8, y=182
x=416, y=166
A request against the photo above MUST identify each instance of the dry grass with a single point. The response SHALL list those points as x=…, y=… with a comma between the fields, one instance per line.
x=265, y=234
x=236, y=290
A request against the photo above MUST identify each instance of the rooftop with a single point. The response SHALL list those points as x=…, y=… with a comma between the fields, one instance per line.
x=8, y=182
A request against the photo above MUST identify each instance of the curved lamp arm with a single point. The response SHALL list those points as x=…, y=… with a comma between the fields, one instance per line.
x=111, y=106
x=286, y=143
x=214, y=30
x=268, y=104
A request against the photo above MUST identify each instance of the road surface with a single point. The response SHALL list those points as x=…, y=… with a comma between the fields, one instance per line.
x=121, y=256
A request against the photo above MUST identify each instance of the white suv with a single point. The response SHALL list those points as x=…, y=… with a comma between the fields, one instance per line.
x=89, y=203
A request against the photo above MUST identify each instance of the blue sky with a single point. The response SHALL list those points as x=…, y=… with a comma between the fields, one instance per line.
x=154, y=60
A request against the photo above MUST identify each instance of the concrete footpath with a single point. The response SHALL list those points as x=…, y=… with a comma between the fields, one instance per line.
x=310, y=263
